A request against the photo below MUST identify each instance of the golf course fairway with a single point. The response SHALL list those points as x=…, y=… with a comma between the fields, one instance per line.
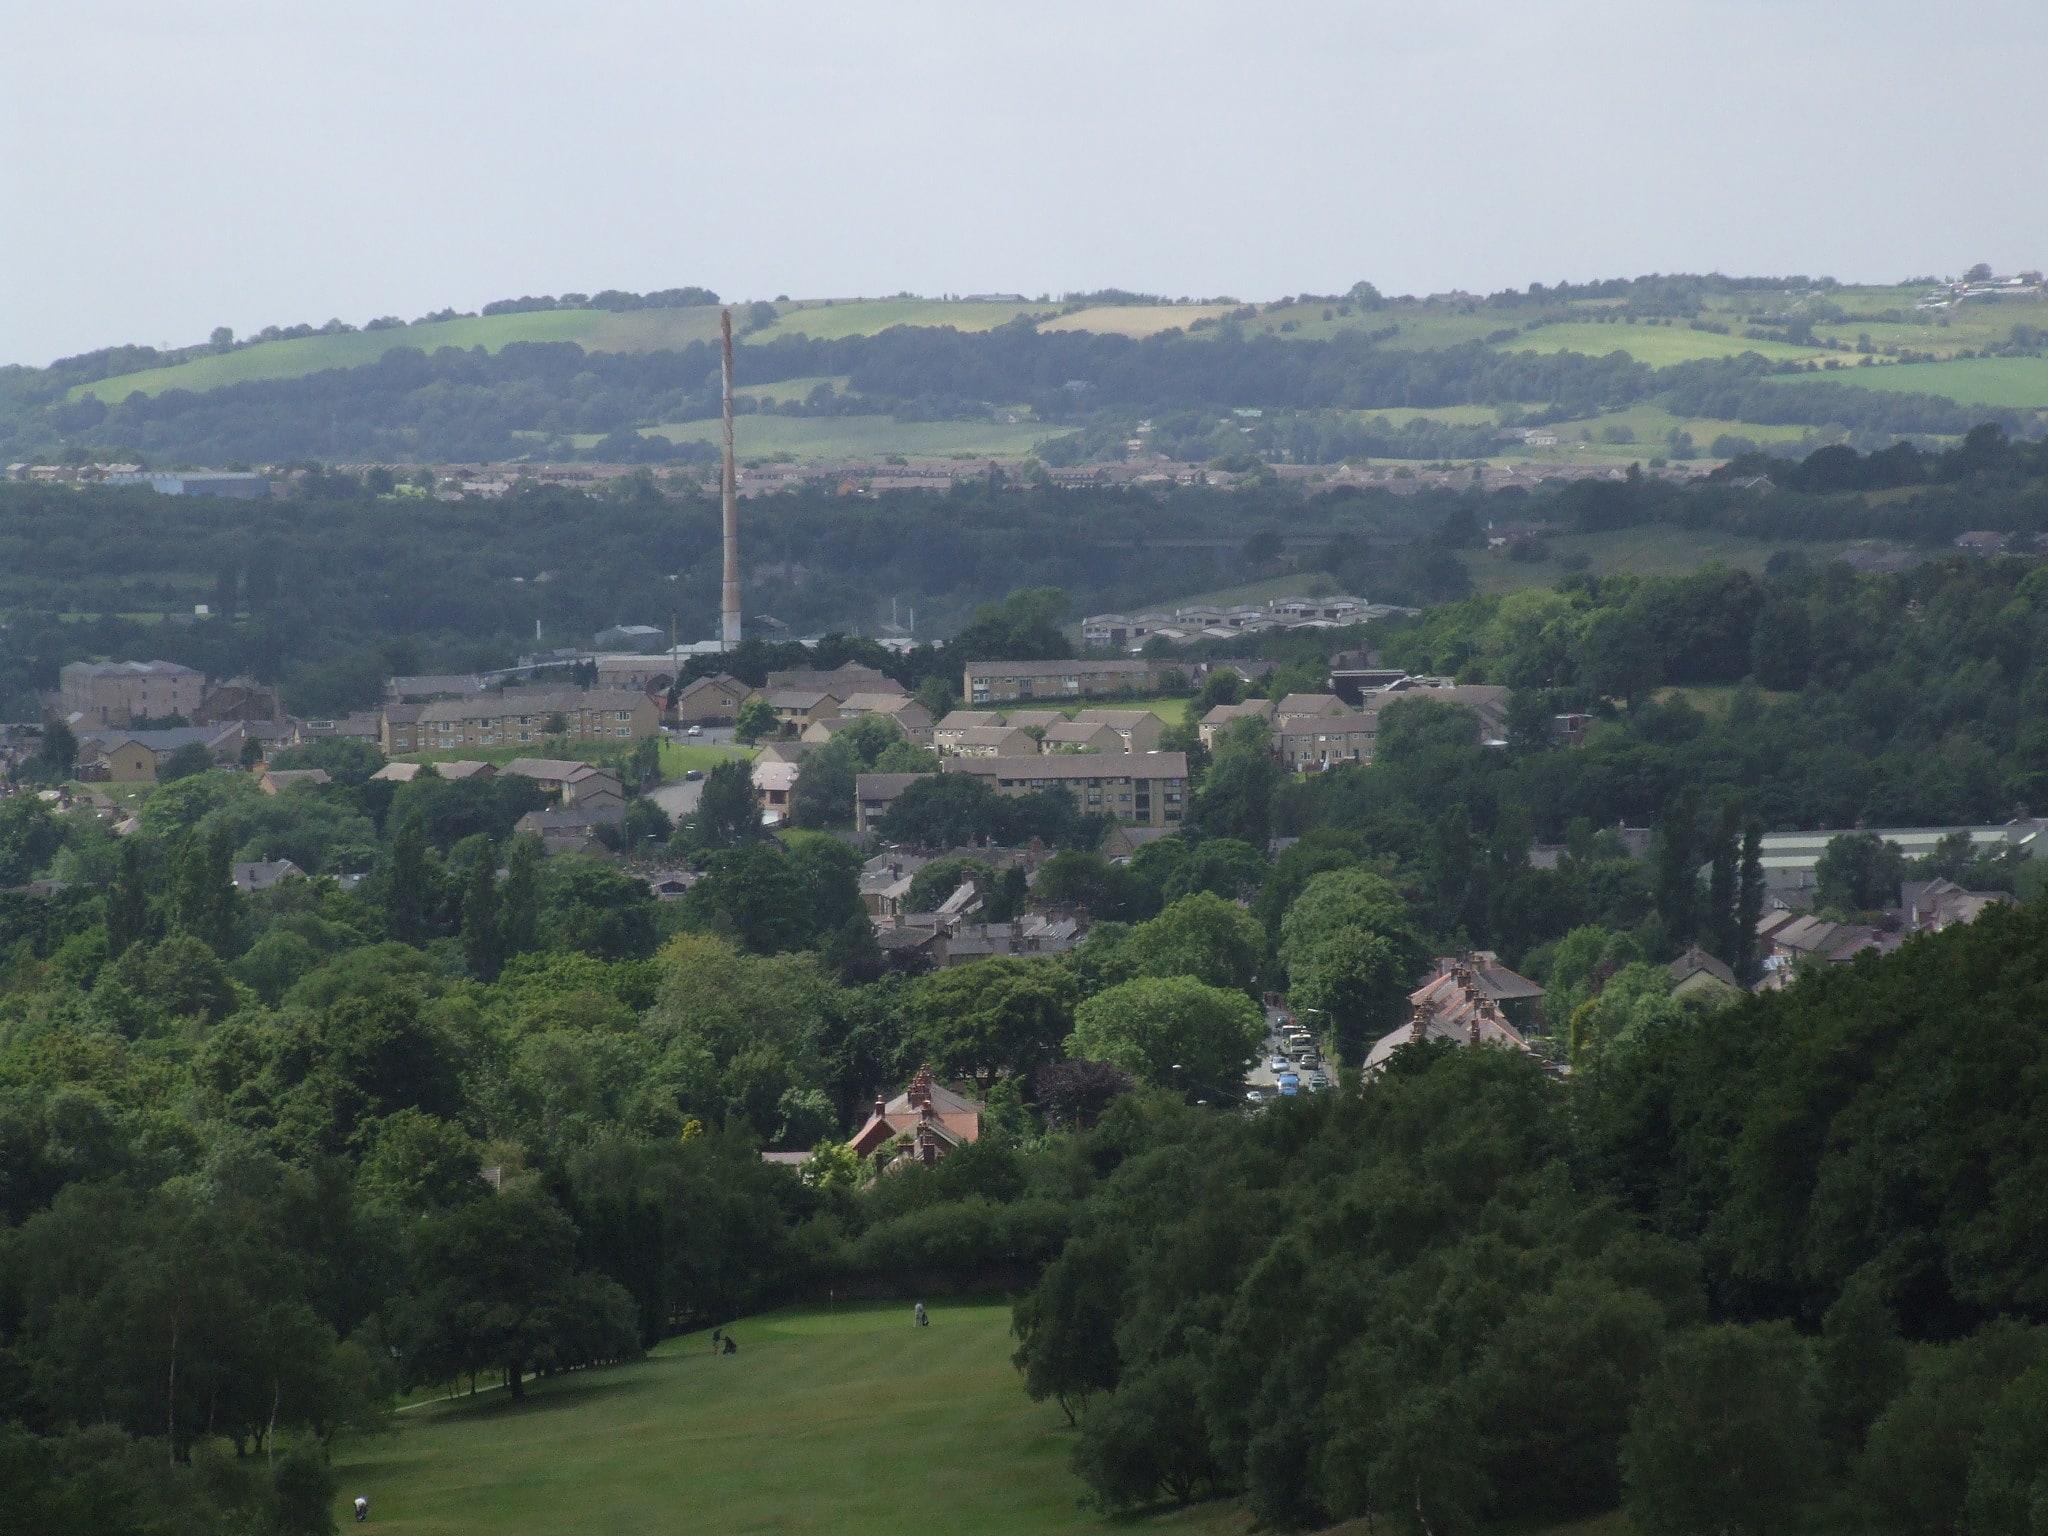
x=849, y=1421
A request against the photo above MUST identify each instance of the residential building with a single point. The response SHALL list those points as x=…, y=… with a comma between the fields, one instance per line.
x=98, y=694
x=1462, y=1003
x=262, y=875
x=398, y=729
x=1032, y=934
x=1306, y=706
x=775, y=781
x=1033, y=719
x=1080, y=736
x=276, y=781
x=578, y=783
x=946, y=734
x=1932, y=905
x=650, y=674
x=456, y=769
x=239, y=698
x=885, y=879
x=713, y=700
x=874, y=793
x=1315, y=741
x=1147, y=788
x=122, y=760
x=999, y=682
x=1138, y=729
x=522, y=715
x=796, y=708
x=569, y=831
x=912, y=717
x=1223, y=716
x=842, y=682
x=439, y=685
x=994, y=741
x=920, y=1125
x=1699, y=974
x=123, y=751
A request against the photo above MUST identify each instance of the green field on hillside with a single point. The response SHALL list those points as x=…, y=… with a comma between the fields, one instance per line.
x=595, y=330
x=864, y=317
x=847, y=1421
x=1650, y=427
x=1660, y=346
x=2016, y=383
x=1135, y=320
x=1656, y=549
x=790, y=389
x=861, y=437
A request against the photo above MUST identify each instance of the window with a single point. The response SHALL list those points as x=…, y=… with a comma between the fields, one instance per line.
x=625, y=714
x=624, y=730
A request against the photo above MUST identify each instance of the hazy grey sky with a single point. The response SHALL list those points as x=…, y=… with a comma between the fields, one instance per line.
x=169, y=167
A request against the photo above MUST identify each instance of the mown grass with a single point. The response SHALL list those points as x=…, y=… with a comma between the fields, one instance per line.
x=2015, y=383
x=864, y=317
x=861, y=437
x=1658, y=345
x=596, y=330
x=1135, y=320
x=848, y=1421
x=1653, y=550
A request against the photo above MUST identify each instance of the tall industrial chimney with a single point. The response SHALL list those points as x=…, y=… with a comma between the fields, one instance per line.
x=729, y=606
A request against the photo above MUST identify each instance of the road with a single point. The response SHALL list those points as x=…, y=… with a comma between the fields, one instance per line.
x=1261, y=1075
x=678, y=797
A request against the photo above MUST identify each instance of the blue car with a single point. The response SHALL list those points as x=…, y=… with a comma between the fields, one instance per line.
x=1290, y=1085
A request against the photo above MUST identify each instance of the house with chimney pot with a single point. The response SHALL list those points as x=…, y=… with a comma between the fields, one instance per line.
x=920, y=1125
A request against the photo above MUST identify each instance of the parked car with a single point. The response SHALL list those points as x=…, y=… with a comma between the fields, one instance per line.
x=695, y=730
x=693, y=775
x=1318, y=1081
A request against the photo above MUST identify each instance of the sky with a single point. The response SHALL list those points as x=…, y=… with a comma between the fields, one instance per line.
x=165, y=169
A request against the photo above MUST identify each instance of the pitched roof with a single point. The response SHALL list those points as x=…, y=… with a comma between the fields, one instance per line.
x=885, y=786
x=1311, y=704
x=1124, y=765
x=533, y=701
x=1696, y=961
x=724, y=682
x=547, y=768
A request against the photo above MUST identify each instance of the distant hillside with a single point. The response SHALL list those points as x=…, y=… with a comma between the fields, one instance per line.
x=1620, y=370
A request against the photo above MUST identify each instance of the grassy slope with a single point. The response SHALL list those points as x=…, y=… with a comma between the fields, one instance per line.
x=864, y=317
x=595, y=330
x=1137, y=320
x=1659, y=346
x=2013, y=382
x=853, y=1423
x=1654, y=550
x=848, y=437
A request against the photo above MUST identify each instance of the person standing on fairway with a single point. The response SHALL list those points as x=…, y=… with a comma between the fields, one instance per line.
x=922, y=1320
x=362, y=1509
